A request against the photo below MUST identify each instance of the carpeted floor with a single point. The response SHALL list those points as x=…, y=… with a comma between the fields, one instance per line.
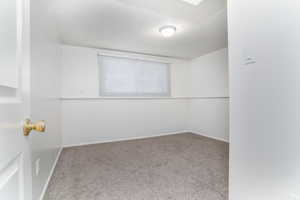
x=176, y=167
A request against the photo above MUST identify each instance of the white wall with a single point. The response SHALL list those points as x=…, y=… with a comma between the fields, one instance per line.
x=208, y=112
x=209, y=75
x=209, y=117
x=114, y=119
x=45, y=91
x=264, y=48
x=80, y=72
x=89, y=121
x=86, y=120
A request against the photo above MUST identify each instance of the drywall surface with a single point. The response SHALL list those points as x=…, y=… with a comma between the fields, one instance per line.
x=80, y=72
x=87, y=120
x=208, y=112
x=264, y=108
x=125, y=118
x=45, y=91
x=209, y=117
x=209, y=75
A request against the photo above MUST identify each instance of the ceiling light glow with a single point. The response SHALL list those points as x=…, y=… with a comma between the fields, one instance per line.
x=167, y=31
x=193, y=2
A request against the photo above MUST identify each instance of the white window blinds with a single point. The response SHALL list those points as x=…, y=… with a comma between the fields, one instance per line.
x=133, y=77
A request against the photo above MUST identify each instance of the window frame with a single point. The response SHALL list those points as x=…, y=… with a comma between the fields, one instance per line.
x=133, y=57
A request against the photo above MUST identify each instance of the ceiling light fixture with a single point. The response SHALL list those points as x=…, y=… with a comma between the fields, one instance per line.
x=193, y=2
x=167, y=31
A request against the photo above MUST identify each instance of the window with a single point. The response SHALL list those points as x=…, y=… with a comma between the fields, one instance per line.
x=133, y=77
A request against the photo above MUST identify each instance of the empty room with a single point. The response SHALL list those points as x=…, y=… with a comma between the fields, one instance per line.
x=149, y=100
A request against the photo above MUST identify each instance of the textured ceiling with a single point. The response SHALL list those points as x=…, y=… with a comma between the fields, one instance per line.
x=132, y=25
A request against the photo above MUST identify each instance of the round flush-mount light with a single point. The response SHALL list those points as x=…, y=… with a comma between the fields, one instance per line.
x=167, y=31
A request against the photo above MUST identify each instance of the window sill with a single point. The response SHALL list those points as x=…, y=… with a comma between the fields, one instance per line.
x=139, y=98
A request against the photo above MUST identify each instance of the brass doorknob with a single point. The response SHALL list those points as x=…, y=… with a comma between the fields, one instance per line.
x=28, y=126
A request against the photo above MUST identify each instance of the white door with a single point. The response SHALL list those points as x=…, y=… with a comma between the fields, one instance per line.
x=15, y=164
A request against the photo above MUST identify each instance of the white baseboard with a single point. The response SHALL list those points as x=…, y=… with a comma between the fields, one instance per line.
x=125, y=139
x=51, y=173
x=208, y=136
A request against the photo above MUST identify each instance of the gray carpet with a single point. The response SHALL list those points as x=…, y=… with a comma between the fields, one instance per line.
x=177, y=167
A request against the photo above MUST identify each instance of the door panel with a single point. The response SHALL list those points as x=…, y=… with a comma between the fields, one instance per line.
x=11, y=180
x=15, y=163
x=8, y=39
